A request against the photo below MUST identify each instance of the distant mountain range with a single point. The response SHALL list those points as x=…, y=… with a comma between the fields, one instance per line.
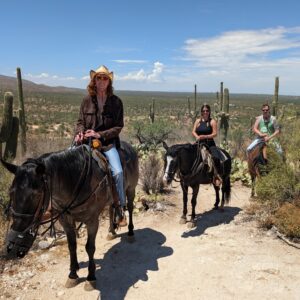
x=8, y=83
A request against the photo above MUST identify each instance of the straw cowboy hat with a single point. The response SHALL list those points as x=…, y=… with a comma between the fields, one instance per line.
x=103, y=71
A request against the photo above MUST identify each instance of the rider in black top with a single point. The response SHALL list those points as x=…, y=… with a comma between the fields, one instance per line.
x=204, y=130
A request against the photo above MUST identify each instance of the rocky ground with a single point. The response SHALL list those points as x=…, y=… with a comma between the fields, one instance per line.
x=224, y=257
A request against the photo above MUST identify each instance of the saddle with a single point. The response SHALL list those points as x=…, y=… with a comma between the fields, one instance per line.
x=98, y=154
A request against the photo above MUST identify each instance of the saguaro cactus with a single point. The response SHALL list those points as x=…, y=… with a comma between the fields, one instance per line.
x=8, y=132
x=21, y=113
x=195, y=99
x=189, y=106
x=222, y=113
x=221, y=96
x=152, y=110
x=275, y=99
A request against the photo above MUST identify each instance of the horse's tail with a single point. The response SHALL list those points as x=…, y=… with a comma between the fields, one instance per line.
x=226, y=187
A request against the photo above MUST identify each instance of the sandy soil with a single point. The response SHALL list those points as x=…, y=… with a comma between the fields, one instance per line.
x=224, y=257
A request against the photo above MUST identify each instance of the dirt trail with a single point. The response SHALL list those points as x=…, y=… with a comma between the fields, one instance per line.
x=225, y=257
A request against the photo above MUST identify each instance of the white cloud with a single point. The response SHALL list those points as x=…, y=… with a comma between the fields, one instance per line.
x=141, y=75
x=130, y=61
x=42, y=75
x=243, y=49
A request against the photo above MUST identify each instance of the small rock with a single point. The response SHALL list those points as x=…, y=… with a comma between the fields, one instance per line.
x=44, y=244
x=60, y=293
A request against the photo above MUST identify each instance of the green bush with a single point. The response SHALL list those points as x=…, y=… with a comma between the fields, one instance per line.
x=5, y=182
x=151, y=135
x=281, y=184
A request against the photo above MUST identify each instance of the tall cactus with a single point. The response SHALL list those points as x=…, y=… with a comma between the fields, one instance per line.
x=221, y=108
x=195, y=99
x=21, y=114
x=275, y=99
x=152, y=110
x=8, y=132
x=189, y=106
x=6, y=125
x=221, y=96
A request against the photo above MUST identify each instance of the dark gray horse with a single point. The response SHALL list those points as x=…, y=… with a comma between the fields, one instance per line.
x=193, y=169
x=78, y=190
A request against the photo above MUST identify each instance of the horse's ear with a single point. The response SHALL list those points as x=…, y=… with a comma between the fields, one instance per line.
x=10, y=167
x=40, y=169
x=165, y=145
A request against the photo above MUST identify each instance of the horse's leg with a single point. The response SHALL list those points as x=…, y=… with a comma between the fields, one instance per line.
x=194, y=203
x=130, y=194
x=90, y=248
x=217, y=191
x=72, y=244
x=252, y=186
x=184, y=188
x=111, y=230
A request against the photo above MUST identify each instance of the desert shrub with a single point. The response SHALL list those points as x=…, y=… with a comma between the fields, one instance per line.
x=151, y=174
x=151, y=135
x=280, y=184
x=287, y=220
x=6, y=179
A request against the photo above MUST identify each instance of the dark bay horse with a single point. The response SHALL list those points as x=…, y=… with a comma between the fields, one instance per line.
x=78, y=190
x=194, y=168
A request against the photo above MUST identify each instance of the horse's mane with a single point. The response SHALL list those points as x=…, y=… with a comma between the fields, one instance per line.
x=66, y=163
x=173, y=150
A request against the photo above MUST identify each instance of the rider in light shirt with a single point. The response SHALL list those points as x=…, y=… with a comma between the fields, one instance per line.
x=266, y=128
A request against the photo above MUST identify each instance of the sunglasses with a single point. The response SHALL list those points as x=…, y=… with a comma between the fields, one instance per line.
x=205, y=111
x=102, y=78
x=265, y=110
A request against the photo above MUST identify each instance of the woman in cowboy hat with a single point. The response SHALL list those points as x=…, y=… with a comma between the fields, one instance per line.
x=101, y=117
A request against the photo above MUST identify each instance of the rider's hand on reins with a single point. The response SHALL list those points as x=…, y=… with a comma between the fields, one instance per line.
x=91, y=133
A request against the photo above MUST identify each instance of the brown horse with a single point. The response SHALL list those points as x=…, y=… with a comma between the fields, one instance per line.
x=255, y=161
x=78, y=190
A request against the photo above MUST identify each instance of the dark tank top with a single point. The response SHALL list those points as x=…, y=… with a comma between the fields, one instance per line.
x=204, y=128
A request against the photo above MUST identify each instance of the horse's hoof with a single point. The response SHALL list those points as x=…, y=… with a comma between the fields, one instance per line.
x=215, y=208
x=90, y=285
x=111, y=236
x=71, y=283
x=191, y=224
x=130, y=239
x=182, y=221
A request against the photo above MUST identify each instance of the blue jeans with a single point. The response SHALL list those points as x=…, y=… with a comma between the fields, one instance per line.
x=114, y=161
x=276, y=144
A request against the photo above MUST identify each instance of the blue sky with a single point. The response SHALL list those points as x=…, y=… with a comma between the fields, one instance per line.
x=155, y=45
